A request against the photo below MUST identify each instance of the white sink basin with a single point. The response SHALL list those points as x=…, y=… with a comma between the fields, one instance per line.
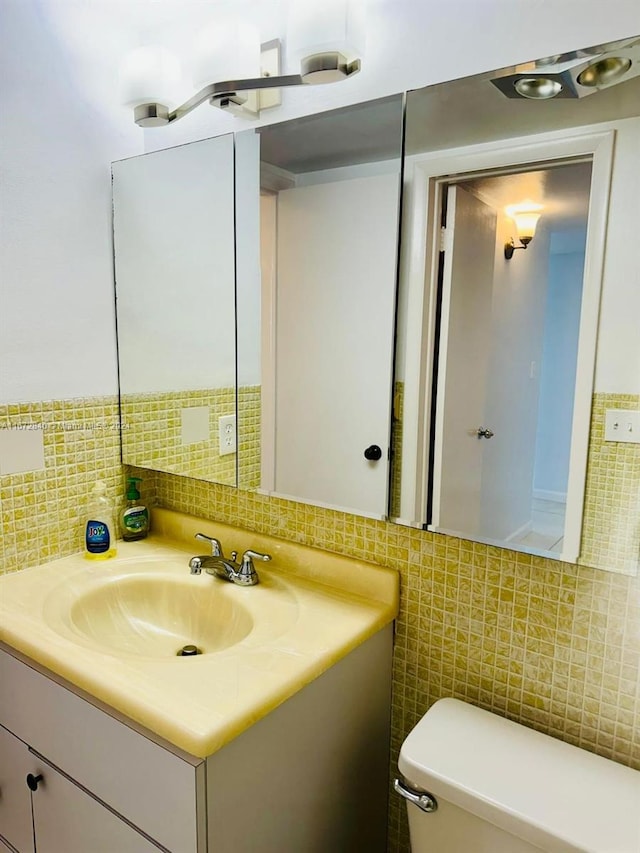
x=156, y=616
x=114, y=628
x=152, y=608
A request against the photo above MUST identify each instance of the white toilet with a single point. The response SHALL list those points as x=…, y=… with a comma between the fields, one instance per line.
x=478, y=783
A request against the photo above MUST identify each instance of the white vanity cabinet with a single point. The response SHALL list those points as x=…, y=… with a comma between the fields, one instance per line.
x=54, y=815
x=106, y=786
x=15, y=797
x=67, y=818
x=311, y=775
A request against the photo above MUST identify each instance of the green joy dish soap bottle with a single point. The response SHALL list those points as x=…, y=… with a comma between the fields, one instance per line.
x=99, y=532
x=134, y=518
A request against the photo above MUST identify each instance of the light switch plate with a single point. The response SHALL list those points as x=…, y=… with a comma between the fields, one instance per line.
x=227, y=431
x=194, y=424
x=622, y=425
x=21, y=450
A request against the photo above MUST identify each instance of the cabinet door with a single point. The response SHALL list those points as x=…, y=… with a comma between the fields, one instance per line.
x=154, y=788
x=15, y=800
x=68, y=820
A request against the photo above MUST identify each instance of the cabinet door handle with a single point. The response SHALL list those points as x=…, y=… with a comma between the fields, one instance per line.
x=373, y=453
x=32, y=781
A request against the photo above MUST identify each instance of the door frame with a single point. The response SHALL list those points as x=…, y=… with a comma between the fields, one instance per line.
x=426, y=176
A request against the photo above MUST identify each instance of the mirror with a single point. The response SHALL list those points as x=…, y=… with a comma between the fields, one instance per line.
x=499, y=426
x=329, y=207
x=316, y=204
x=310, y=265
x=173, y=223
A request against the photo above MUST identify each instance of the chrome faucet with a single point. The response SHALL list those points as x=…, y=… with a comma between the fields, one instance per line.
x=243, y=573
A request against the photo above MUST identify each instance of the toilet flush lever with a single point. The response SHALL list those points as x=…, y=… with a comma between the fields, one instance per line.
x=421, y=799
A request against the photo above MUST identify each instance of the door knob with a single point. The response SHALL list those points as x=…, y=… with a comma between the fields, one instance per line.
x=32, y=781
x=483, y=432
x=373, y=453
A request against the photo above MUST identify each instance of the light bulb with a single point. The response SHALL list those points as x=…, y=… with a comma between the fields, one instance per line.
x=525, y=216
x=537, y=88
x=226, y=50
x=328, y=26
x=149, y=74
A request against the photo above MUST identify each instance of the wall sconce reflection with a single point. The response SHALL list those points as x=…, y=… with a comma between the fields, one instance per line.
x=525, y=216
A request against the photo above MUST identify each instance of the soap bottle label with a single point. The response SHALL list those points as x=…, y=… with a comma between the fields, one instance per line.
x=97, y=537
x=136, y=518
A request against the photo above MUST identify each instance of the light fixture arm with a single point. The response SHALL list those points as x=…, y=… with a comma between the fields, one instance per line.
x=225, y=93
x=510, y=247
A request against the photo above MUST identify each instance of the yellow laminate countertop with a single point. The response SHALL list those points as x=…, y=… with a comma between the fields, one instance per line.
x=81, y=619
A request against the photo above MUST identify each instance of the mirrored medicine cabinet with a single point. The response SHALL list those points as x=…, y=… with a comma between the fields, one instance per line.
x=369, y=327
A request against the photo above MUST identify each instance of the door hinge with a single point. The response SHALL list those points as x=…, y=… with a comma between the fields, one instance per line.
x=443, y=239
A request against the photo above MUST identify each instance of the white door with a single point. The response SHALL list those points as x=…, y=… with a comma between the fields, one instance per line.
x=465, y=346
x=336, y=264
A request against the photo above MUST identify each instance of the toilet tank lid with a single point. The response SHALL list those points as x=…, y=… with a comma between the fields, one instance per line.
x=543, y=790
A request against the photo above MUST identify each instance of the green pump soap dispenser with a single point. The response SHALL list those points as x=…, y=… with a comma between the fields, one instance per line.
x=134, y=518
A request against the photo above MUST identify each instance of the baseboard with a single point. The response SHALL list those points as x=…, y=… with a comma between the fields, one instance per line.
x=546, y=495
x=521, y=531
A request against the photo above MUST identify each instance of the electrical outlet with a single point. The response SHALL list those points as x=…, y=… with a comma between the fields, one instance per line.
x=622, y=425
x=227, y=434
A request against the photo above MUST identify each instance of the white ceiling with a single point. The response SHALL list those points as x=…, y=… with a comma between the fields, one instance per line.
x=563, y=191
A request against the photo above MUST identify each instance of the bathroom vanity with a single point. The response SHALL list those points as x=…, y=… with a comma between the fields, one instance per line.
x=260, y=743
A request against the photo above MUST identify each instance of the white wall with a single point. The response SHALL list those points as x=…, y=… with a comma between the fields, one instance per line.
x=558, y=370
x=618, y=362
x=62, y=126
x=57, y=335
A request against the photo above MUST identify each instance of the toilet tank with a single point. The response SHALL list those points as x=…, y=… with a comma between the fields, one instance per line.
x=503, y=788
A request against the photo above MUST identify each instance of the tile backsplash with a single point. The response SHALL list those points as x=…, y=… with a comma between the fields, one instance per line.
x=152, y=437
x=152, y=434
x=41, y=510
x=611, y=517
x=552, y=645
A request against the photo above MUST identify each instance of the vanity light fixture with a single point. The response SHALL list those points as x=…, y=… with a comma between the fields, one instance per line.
x=575, y=74
x=324, y=40
x=525, y=216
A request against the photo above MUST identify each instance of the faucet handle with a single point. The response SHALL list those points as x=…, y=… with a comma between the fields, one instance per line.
x=249, y=556
x=195, y=565
x=247, y=575
x=216, y=547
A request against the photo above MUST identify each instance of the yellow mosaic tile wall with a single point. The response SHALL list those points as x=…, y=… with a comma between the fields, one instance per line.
x=152, y=433
x=553, y=646
x=41, y=511
x=152, y=438
x=249, y=433
x=611, y=519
